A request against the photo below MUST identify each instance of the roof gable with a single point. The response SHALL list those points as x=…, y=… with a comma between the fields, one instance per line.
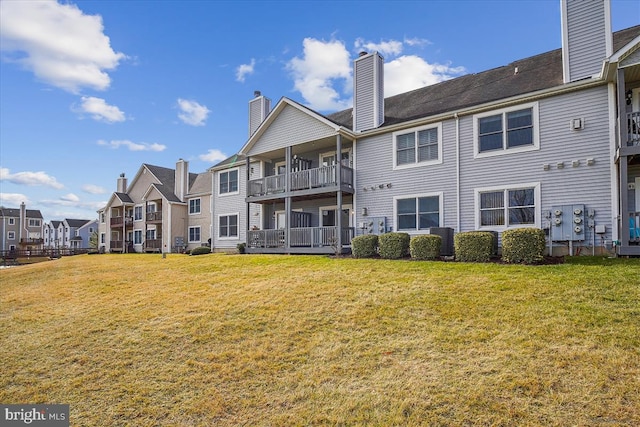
x=288, y=124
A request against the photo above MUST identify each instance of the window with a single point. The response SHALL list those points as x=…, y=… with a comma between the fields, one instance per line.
x=34, y=223
x=102, y=218
x=194, y=206
x=137, y=213
x=137, y=237
x=12, y=221
x=102, y=237
x=417, y=147
x=228, y=226
x=228, y=182
x=507, y=131
x=418, y=212
x=11, y=235
x=151, y=234
x=508, y=207
x=194, y=234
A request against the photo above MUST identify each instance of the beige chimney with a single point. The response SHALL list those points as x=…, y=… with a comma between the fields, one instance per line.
x=181, y=187
x=122, y=184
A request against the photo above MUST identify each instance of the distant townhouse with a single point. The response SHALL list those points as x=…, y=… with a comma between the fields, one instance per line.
x=21, y=229
x=53, y=234
x=551, y=141
x=161, y=210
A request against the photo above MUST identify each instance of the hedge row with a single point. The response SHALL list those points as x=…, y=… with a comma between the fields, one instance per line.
x=523, y=245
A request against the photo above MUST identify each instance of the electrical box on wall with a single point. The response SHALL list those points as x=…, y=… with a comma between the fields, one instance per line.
x=374, y=225
x=568, y=223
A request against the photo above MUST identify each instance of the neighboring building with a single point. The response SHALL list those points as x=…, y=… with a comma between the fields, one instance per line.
x=21, y=229
x=551, y=141
x=78, y=232
x=156, y=211
x=53, y=234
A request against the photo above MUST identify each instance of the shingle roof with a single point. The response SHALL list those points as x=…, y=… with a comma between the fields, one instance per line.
x=15, y=213
x=124, y=197
x=76, y=223
x=535, y=73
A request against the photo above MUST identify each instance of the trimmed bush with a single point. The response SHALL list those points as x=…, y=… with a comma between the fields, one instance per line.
x=523, y=245
x=242, y=248
x=473, y=246
x=393, y=245
x=201, y=250
x=364, y=246
x=425, y=247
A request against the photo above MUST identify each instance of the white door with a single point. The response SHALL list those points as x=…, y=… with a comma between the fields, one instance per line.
x=280, y=217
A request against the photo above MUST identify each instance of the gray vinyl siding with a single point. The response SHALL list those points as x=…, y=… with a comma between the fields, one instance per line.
x=586, y=38
x=368, y=92
x=258, y=110
x=588, y=185
x=291, y=127
x=375, y=167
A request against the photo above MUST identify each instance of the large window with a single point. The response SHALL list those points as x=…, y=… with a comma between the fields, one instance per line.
x=418, y=212
x=194, y=234
x=194, y=206
x=137, y=237
x=507, y=207
x=228, y=182
x=137, y=213
x=34, y=223
x=417, y=147
x=228, y=226
x=507, y=131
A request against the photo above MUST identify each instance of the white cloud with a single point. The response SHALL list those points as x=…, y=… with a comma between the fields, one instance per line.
x=30, y=178
x=244, y=70
x=412, y=72
x=323, y=63
x=386, y=48
x=213, y=156
x=417, y=41
x=193, y=114
x=13, y=200
x=59, y=43
x=100, y=110
x=93, y=189
x=133, y=146
x=72, y=198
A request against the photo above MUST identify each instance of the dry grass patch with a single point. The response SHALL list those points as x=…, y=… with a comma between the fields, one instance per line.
x=277, y=340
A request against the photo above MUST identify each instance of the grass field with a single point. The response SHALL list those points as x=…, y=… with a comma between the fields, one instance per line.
x=228, y=340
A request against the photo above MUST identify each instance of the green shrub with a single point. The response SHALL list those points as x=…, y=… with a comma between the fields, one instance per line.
x=393, y=245
x=523, y=245
x=425, y=247
x=242, y=248
x=364, y=246
x=201, y=250
x=473, y=246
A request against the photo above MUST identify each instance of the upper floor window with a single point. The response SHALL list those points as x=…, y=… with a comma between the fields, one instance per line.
x=11, y=235
x=12, y=221
x=509, y=130
x=508, y=207
x=137, y=213
x=228, y=182
x=102, y=217
x=34, y=223
x=194, y=206
x=415, y=213
x=417, y=147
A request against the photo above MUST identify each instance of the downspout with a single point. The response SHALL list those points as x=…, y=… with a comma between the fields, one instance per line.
x=458, y=222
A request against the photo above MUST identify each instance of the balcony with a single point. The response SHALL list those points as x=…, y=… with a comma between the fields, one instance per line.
x=154, y=216
x=119, y=221
x=31, y=241
x=153, y=245
x=302, y=240
x=633, y=123
x=304, y=182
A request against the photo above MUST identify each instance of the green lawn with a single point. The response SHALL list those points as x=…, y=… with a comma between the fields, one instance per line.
x=227, y=340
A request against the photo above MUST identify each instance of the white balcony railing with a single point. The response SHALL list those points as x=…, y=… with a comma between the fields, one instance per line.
x=325, y=176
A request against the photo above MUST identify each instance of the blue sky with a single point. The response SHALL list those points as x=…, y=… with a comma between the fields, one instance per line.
x=91, y=89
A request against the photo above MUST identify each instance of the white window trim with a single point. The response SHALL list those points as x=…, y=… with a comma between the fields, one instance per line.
x=333, y=153
x=141, y=237
x=12, y=221
x=233, y=193
x=537, y=201
x=417, y=231
x=218, y=226
x=189, y=234
x=417, y=164
x=11, y=235
x=535, y=121
x=143, y=213
x=200, y=205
